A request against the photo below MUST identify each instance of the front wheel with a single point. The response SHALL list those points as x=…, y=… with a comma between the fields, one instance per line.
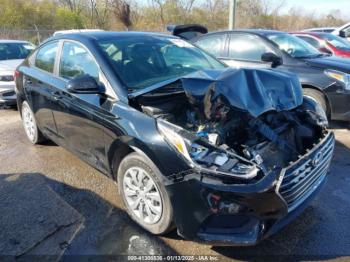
x=144, y=196
x=30, y=127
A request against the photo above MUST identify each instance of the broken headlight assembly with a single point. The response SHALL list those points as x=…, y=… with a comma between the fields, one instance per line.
x=203, y=156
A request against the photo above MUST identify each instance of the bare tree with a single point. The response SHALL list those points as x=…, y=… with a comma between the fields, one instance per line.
x=121, y=9
x=160, y=4
x=73, y=5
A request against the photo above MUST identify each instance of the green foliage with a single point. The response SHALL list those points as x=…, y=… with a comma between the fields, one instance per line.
x=45, y=14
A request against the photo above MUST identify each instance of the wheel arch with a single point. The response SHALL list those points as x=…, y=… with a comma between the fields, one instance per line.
x=122, y=147
x=20, y=99
x=328, y=103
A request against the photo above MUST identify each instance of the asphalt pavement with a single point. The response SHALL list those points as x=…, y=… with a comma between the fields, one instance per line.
x=52, y=203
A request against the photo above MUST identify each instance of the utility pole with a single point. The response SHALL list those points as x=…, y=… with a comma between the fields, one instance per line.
x=232, y=16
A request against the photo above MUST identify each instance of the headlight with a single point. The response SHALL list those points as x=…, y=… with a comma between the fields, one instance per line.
x=340, y=76
x=170, y=133
x=206, y=158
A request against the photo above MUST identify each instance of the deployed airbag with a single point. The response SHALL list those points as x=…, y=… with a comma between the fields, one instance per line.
x=254, y=91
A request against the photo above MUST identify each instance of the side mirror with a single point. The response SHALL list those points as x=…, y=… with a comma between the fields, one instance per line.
x=272, y=58
x=84, y=84
x=342, y=34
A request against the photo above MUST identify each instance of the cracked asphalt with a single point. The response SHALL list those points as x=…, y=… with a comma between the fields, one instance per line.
x=52, y=203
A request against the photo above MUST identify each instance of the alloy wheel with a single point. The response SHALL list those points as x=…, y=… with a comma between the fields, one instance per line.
x=142, y=195
x=29, y=122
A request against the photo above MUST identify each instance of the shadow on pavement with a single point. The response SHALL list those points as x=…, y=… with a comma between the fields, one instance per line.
x=339, y=125
x=37, y=208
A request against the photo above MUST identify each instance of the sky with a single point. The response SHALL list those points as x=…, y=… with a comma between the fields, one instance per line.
x=322, y=6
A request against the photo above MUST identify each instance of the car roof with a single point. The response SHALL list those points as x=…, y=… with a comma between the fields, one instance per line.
x=72, y=31
x=6, y=41
x=309, y=33
x=315, y=29
x=107, y=35
x=318, y=35
x=262, y=32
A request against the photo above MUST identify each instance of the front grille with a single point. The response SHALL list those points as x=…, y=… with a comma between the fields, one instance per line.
x=301, y=179
x=6, y=78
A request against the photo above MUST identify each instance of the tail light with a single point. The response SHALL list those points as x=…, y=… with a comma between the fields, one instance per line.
x=16, y=74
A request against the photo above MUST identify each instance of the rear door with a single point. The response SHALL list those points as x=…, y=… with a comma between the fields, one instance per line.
x=38, y=83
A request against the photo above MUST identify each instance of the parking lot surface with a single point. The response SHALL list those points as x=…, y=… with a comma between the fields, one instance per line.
x=53, y=203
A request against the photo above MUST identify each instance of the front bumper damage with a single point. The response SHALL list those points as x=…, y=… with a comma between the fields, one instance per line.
x=207, y=210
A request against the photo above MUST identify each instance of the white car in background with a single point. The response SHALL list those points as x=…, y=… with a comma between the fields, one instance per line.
x=12, y=53
x=342, y=31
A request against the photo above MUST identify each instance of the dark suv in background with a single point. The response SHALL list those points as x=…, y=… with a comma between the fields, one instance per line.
x=324, y=79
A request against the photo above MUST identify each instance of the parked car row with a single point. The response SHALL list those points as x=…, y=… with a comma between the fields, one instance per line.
x=342, y=31
x=12, y=53
x=324, y=78
x=326, y=43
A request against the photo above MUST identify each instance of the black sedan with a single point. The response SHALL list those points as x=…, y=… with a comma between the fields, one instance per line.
x=226, y=156
x=325, y=79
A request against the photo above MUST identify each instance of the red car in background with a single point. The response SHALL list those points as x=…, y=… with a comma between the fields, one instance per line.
x=326, y=43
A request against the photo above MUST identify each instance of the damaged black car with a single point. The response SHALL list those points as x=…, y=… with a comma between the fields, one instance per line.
x=226, y=156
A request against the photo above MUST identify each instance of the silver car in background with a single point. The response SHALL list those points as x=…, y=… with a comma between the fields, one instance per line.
x=12, y=53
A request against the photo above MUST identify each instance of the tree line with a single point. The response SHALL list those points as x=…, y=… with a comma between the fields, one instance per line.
x=46, y=16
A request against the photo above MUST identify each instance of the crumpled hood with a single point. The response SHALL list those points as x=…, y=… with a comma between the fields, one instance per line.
x=10, y=65
x=332, y=62
x=253, y=90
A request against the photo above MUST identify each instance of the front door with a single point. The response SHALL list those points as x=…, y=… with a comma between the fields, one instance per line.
x=82, y=120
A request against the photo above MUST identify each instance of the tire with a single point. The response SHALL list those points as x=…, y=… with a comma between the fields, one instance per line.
x=29, y=124
x=152, y=210
x=318, y=97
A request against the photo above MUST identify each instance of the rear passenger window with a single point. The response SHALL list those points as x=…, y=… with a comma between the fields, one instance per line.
x=246, y=47
x=212, y=44
x=76, y=61
x=46, y=55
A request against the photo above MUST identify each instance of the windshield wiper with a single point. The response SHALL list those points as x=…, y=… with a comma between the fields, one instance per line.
x=310, y=56
x=152, y=87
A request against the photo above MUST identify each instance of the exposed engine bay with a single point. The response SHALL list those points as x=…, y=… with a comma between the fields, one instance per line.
x=229, y=134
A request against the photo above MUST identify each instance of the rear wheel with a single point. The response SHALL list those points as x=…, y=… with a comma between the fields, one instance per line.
x=318, y=97
x=30, y=127
x=144, y=196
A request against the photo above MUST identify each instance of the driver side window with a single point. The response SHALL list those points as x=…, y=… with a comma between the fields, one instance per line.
x=76, y=61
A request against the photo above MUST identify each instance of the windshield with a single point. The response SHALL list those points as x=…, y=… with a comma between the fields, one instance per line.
x=144, y=61
x=294, y=46
x=10, y=51
x=336, y=41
